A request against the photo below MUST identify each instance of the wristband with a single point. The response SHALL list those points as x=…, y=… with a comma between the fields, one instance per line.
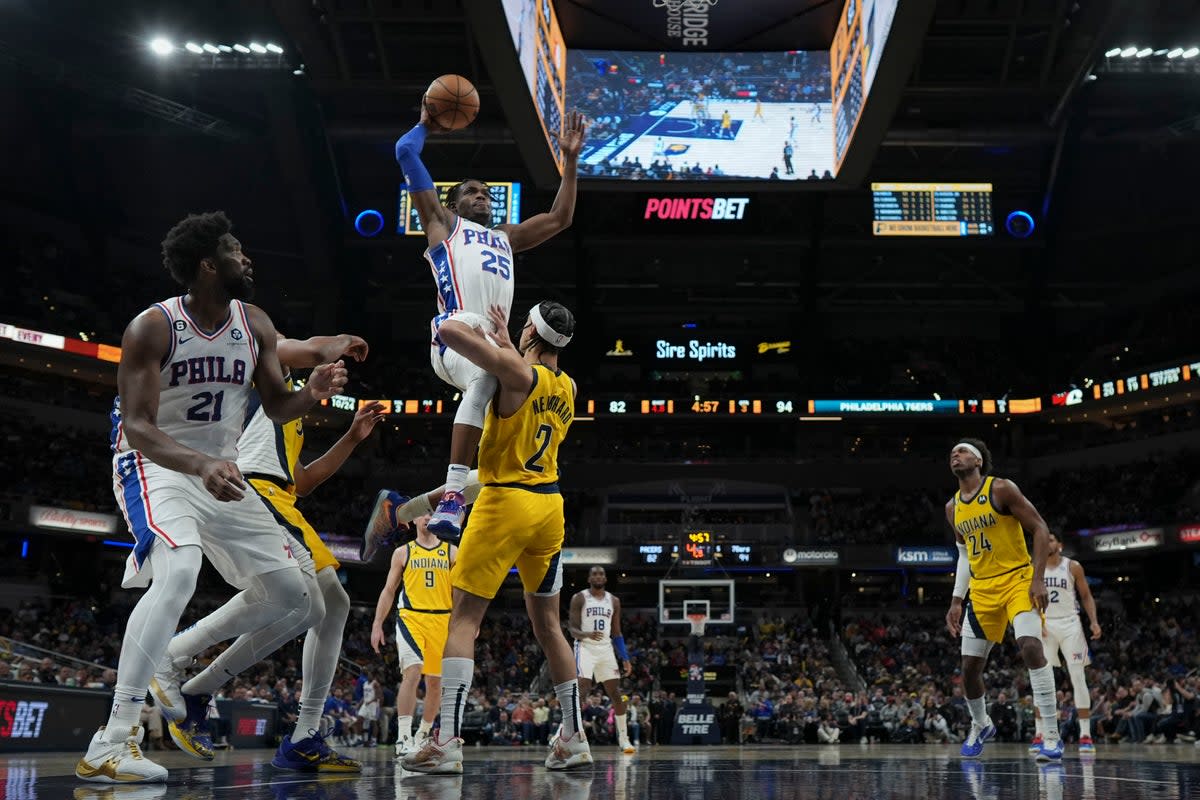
x=619, y=643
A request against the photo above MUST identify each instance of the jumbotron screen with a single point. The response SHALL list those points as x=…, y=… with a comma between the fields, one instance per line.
x=543, y=54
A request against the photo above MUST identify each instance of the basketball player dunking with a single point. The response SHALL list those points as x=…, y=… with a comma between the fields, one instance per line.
x=990, y=516
x=595, y=622
x=518, y=519
x=421, y=572
x=1063, y=631
x=473, y=267
x=185, y=377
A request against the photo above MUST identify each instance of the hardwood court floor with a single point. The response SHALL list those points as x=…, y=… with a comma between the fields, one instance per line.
x=759, y=772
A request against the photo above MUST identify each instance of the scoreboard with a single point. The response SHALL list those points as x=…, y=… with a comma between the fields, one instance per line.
x=932, y=209
x=506, y=206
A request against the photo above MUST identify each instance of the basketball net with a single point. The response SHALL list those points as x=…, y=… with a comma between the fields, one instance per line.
x=698, y=621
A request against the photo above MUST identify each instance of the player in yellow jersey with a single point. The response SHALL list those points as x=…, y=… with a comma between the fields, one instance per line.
x=518, y=519
x=269, y=459
x=1002, y=585
x=421, y=572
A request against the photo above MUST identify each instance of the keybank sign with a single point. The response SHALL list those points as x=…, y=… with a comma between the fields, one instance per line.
x=694, y=350
x=933, y=556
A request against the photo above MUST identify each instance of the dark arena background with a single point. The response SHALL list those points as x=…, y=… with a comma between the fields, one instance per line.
x=816, y=245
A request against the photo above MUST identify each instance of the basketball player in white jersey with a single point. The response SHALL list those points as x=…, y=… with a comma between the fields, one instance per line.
x=184, y=379
x=420, y=571
x=1063, y=632
x=595, y=623
x=473, y=267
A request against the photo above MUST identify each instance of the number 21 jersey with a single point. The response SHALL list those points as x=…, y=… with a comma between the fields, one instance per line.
x=473, y=270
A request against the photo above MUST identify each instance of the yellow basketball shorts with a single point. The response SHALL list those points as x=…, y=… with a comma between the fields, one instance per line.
x=282, y=505
x=992, y=603
x=421, y=638
x=511, y=526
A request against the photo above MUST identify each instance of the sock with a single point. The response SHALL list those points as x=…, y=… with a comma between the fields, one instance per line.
x=568, y=698
x=1085, y=727
x=1041, y=680
x=456, y=477
x=1040, y=724
x=424, y=728
x=417, y=507
x=405, y=727
x=126, y=712
x=456, y=682
x=622, y=728
x=978, y=711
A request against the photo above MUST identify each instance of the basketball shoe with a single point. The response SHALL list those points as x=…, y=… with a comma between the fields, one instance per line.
x=1086, y=745
x=1051, y=750
x=979, y=734
x=1036, y=744
x=312, y=754
x=446, y=522
x=568, y=752
x=382, y=526
x=436, y=758
x=118, y=762
x=191, y=734
x=165, y=684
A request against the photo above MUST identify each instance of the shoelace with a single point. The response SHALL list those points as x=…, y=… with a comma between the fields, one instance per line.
x=135, y=750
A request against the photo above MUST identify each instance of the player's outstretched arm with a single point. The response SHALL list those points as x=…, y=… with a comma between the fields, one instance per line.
x=388, y=596
x=280, y=404
x=540, y=227
x=143, y=344
x=436, y=219
x=317, y=350
x=310, y=476
x=1008, y=498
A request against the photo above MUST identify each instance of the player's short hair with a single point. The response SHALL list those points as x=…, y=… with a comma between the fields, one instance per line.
x=193, y=239
x=559, y=318
x=599, y=567
x=986, y=467
x=1057, y=538
x=454, y=191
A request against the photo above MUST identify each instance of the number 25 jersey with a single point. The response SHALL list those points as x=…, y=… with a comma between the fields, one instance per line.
x=473, y=270
x=995, y=541
x=522, y=450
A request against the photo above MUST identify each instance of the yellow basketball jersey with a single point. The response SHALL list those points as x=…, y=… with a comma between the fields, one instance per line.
x=522, y=450
x=995, y=541
x=268, y=450
x=426, y=585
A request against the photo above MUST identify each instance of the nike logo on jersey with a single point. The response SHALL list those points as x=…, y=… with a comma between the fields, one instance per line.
x=185, y=339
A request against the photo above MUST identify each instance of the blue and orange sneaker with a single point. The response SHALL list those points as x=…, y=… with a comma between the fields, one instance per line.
x=191, y=734
x=1052, y=750
x=383, y=528
x=973, y=745
x=446, y=522
x=312, y=755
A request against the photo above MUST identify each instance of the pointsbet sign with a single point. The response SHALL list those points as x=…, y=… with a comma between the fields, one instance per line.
x=715, y=209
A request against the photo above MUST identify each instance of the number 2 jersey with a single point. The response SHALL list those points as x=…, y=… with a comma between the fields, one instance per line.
x=995, y=541
x=473, y=270
x=204, y=382
x=522, y=450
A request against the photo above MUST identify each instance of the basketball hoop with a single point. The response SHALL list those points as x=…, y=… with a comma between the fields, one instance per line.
x=698, y=621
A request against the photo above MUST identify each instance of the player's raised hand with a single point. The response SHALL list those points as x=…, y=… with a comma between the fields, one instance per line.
x=954, y=617
x=327, y=380
x=427, y=119
x=223, y=480
x=365, y=420
x=574, y=132
x=356, y=347
x=499, y=319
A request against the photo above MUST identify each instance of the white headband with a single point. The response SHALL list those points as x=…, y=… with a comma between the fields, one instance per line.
x=545, y=331
x=970, y=448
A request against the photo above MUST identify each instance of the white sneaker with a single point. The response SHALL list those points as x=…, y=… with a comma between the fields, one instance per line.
x=554, y=737
x=404, y=746
x=436, y=758
x=568, y=752
x=168, y=697
x=627, y=748
x=118, y=762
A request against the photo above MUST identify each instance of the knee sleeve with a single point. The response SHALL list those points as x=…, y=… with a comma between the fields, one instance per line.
x=175, y=573
x=1083, y=699
x=475, y=400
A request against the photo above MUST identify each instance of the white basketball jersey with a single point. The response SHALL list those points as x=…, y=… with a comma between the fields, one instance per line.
x=368, y=693
x=204, y=382
x=597, y=616
x=473, y=270
x=268, y=448
x=1060, y=584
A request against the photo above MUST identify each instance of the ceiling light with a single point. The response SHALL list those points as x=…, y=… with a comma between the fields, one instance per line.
x=1161, y=52
x=1128, y=51
x=274, y=48
x=1116, y=51
x=192, y=47
x=258, y=48
x=211, y=48
x=1191, y=52
x=161, y=46
x=241, y=48
x=1145, y=51
x=1176, y=53
x=224, y=48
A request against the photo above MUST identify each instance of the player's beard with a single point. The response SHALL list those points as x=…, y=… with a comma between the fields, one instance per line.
x=239, y=287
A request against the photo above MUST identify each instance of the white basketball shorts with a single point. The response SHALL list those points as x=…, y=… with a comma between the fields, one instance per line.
x=167, y=508
x=1065, y=634
x=597, y=663
x=448, y=365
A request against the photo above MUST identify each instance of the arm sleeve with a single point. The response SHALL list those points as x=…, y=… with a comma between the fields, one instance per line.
x=619, y=643
x=408, y=155
x=962, y=577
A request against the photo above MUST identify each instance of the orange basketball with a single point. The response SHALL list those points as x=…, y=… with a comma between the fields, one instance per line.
x=452, y=101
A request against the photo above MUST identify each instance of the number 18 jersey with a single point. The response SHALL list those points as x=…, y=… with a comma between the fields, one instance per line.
x=473, y=270
x=204, y=382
